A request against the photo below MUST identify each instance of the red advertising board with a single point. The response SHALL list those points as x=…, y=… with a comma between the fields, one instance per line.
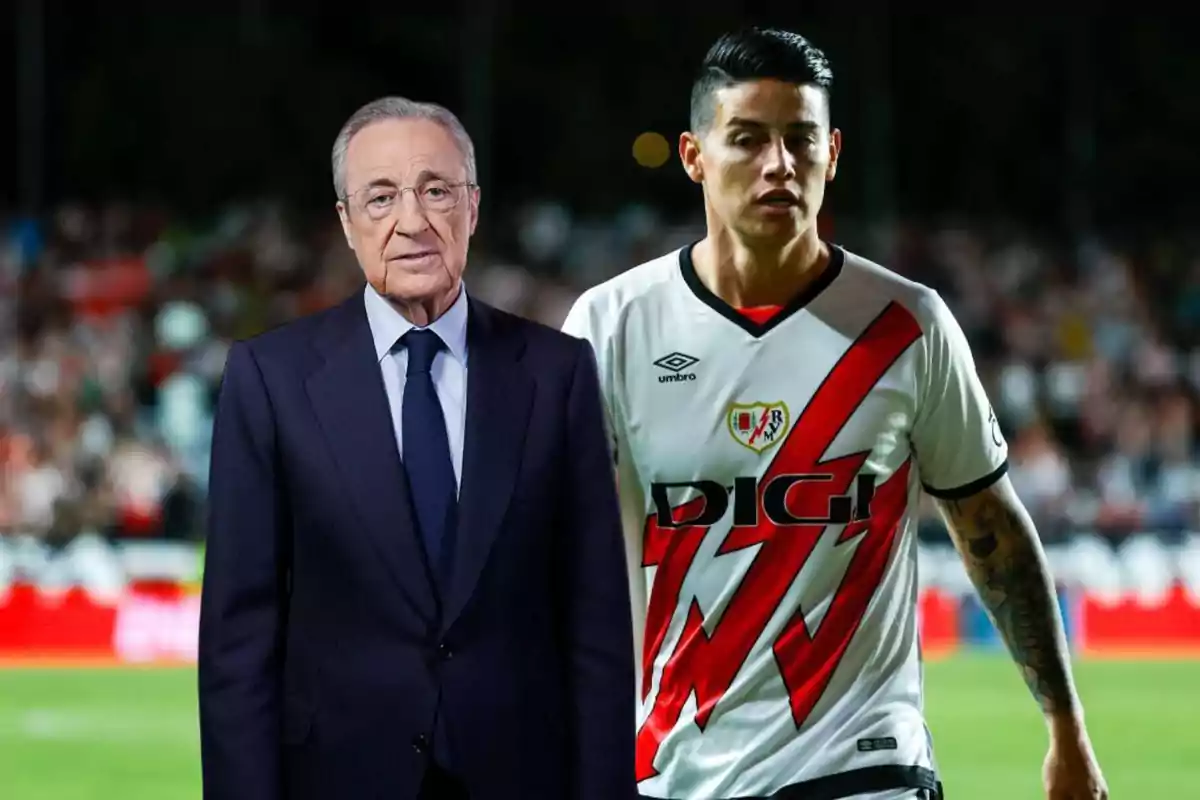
x=158, y=623
x=147, y=623
x=1136, y=626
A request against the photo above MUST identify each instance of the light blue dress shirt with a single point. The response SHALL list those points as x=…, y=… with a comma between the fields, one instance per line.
x=449, y=369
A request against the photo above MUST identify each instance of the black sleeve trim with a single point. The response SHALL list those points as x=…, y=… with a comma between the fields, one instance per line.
x=974, y=487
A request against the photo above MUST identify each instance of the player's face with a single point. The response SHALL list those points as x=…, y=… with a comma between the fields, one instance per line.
x=408, y=251
x=766, y=158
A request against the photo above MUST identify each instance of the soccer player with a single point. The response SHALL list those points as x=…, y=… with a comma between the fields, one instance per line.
x=777, y=404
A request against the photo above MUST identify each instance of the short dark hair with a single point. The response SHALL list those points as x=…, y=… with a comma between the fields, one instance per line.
x=755, y=54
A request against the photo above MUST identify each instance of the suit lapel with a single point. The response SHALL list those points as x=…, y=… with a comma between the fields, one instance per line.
x=348, y=396
x=499, y=400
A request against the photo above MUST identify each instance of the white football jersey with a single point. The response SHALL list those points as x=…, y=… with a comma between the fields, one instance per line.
x=769, y=477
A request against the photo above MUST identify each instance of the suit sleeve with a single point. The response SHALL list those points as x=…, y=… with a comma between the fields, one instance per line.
x=243, y=595
x=956, y=438
x=598, y=622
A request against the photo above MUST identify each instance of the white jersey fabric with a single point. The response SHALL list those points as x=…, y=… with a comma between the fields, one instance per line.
x=769, y=478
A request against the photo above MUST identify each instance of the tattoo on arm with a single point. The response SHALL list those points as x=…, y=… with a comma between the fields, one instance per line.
x=1003, y=556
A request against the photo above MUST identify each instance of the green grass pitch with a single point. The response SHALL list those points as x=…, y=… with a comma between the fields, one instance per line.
x=130, y=734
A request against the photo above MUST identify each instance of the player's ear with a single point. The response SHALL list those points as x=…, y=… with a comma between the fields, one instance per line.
x=835, y=151
x=689, y=154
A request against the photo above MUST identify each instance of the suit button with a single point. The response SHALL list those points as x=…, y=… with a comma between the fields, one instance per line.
x=420, y=744
x=444, y=652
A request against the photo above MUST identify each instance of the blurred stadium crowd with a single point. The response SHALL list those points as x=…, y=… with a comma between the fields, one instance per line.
x=118, y=320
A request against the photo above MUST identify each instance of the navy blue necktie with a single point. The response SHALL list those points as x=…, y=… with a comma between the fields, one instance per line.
x=427, y=452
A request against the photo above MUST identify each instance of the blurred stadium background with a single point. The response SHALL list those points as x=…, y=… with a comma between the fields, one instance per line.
x=169, y=193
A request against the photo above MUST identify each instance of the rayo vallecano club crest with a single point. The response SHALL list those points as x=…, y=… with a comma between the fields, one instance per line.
x=758, y=425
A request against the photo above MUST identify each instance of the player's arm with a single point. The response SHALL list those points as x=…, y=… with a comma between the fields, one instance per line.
x=963, y=458
x=1003, y=556
x=243, y=598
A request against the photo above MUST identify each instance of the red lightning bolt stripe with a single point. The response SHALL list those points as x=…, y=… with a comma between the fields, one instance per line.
x=672, y=551
x=707, y=664
x=807, y=660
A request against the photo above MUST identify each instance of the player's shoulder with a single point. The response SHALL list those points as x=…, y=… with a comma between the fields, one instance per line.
x=600, y=309
x=865, y=279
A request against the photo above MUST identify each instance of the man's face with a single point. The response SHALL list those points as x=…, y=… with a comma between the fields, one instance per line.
x=411, y=245
x=766, y=158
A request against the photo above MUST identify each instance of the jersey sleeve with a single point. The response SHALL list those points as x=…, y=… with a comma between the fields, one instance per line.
x=581, y=323
x=956, y=438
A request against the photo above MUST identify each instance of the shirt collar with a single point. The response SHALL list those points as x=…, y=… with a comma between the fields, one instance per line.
x=388, y=324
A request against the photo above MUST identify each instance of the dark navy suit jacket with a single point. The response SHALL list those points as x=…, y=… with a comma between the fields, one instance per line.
x=330, y=665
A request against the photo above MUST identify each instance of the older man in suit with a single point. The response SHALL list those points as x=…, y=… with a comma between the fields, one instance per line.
x=415, y=584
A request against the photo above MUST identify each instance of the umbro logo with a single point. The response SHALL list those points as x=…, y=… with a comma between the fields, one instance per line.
x=675, y=363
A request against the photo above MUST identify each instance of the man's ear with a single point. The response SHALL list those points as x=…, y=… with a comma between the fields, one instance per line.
x=344, y=218
x=473, y=199
x=689, y=154
x=835, y=151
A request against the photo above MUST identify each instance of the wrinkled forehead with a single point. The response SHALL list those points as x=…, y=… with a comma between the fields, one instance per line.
x=771, y=103
x=403, y=152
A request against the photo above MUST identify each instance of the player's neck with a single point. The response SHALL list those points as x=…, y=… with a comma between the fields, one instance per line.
x=746, y=277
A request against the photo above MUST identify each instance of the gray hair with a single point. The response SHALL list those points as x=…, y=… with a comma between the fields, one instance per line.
x=386, y=108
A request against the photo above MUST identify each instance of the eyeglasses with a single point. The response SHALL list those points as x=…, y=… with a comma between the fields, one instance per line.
x=434, y=196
